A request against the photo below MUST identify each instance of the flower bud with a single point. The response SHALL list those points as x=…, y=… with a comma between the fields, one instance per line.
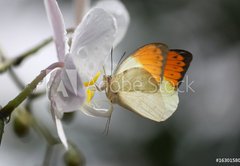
x=21, y=122
x=73, y=157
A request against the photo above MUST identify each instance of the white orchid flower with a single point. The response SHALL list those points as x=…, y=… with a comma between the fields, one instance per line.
x=92, y=54
x=102, y=27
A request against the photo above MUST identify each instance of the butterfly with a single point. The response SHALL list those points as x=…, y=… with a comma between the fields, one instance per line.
x=147, y=81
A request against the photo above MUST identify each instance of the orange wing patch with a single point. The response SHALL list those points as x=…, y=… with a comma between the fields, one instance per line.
x=176, y=66
x=152, y=58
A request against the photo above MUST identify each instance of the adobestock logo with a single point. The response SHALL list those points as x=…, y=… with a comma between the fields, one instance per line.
x=68, y=86
x=149, y=86
x=186, y=85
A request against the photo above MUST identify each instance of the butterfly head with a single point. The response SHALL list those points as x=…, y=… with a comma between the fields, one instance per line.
x=112, y=96
x=107, y=81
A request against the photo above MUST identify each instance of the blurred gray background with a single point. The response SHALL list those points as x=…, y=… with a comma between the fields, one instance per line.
x=206, y=123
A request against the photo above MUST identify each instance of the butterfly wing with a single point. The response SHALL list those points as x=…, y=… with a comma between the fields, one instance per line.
x=156, y=106
x=146, y=63
x=138, y=91
x=134, y=79
x=177, y=64
x=150, y=57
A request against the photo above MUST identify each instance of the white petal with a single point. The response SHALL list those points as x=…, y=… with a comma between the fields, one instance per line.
x=59, y=126
x=61, y=132
x=59, y=33
x=96, y=112
x=66, y=89
x=92, y=42
x=120, y=13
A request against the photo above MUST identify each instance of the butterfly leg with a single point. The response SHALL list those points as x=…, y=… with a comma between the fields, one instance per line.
x=98, y=88
x=108, y=120
x=92, y=110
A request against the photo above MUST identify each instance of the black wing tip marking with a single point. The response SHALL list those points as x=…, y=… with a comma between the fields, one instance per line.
x=187, y=60
x=186, y=54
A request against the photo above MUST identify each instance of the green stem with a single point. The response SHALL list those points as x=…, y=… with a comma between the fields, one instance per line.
x=27, y=91
x=32, y=51
x=21, y=85
x=47, y=156
x=19, y=59
x=1, y=129
x=17, y=80
x=13, y=75
x=44, y=132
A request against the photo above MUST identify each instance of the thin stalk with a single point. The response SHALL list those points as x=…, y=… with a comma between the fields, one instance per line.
x=47, y=156
x=27, y=91
x=1, y=129
x=7, y=63
x=42, y=130
x=19, y=59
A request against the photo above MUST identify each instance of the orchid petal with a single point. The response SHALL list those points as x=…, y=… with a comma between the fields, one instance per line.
x=66, y=89
x=59, y=126
x=59, y=33
x=91, y=110
x=52, y=85
x=61, y=132
x=66, y=93
x=92, y=42
x=120, y=13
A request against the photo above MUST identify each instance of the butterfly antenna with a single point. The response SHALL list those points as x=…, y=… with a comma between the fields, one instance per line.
x=121, y=57
x=104, y=71
x=111, y=61
x=107, y=125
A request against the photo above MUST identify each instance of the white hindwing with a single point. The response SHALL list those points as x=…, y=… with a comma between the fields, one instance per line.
x=158, y=106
